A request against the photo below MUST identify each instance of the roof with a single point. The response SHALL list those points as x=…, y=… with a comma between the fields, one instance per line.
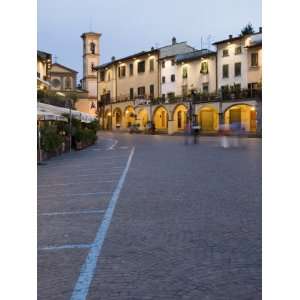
x=254, y=45
x=64, y=67
x=43, y=54
x=194, y=55
x=235, y=38
x=90, y=33
x=142, y=53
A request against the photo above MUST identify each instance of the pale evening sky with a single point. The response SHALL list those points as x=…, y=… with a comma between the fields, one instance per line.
x=130, y=26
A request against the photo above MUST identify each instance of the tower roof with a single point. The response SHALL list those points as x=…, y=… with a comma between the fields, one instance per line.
x=90, y=34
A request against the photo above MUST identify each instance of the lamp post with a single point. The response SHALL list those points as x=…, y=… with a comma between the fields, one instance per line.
x=70, y=122
x=70, y=116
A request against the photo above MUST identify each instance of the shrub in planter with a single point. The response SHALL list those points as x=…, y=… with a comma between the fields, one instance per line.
x=51, y=141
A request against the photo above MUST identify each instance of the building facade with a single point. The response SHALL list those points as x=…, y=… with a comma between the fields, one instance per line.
x=167, y=65
x=209, y=88
x=44, y=62
x=62, y=78
x=196, y=72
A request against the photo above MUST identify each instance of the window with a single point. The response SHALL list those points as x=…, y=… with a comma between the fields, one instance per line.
x=108, y=76
x=38, y=74
x=237, y=69
x=130, y=69
x=163, y=64
x=92, y=67
x=163, y=79
x=205, y=88
x=204, y=67
x=173, y=62
x=254, y=59
x=184, y=72
x=131, y=93
x=225, y=52
x=56, y=82
x=225, y=71
x=151, y=62
x=171, y=95
x=141, y=67
x=102, y=75
x=151, y=91
x=141, y=91
x=238, y=50
x=173, y=77
x=92, y=47
x=184, y=90
x=68, y=83
x=163, y=96
x=122, y=71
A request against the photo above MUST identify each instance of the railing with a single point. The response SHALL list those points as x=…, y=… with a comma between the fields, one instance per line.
x=224, y=96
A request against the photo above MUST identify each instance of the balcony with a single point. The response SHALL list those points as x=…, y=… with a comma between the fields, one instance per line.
x=224, y=96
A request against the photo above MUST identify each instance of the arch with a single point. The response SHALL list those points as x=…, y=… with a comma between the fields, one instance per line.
x=107, y=119
x=208, y=118
x=129, y=116
x=179, y=117
x=160, y=118
x=117, y=117
x=142, y=118
x=241, y=113
x=184, y=106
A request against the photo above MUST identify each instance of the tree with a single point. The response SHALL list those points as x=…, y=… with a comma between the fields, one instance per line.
x=248, y=29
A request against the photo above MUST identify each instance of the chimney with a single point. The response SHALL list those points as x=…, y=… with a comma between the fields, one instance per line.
x=230, y=36
x=260, y=29
x=173, y=40
x=113, y=58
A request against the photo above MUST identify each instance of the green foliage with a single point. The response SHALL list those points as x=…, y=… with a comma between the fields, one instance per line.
x=86, y=136
x=94, y=125
x=248, y=29
x=50, y=139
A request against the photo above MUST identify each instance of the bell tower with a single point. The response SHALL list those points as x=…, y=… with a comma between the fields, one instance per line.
x=91, y=59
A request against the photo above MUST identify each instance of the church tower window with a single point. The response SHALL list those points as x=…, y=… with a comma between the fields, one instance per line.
x=92, y=47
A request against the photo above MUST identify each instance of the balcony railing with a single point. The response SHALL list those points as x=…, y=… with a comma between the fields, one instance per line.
x=224, y=96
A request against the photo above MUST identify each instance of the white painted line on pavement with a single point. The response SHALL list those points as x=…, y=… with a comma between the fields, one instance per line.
x=62, y=213
x=113, y=145
x=87, y=271
x=63, y=247
x=72, y=195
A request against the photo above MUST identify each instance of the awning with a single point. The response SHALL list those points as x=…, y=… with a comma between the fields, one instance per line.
x=48, y=116
x=59, y=111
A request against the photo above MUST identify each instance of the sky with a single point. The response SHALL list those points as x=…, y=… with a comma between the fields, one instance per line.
x=130, y=26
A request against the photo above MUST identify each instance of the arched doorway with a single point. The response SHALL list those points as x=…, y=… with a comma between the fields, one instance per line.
x=243, y=114
x=180, y=117
x=208, y=119
x=160, y=118
x=117, y=118
x=107, y=120
x=129, y=116
x=142, y=118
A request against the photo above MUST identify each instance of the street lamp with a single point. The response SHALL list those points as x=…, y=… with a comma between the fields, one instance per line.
x=70, y=117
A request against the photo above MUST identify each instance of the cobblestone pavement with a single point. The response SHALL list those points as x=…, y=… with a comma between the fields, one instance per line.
x=187, y=222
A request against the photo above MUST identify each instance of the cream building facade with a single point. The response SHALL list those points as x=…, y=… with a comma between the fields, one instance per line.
x=44, y=62
x=62, y=78
x=239, y=61
x=132, y=77
x=195, y=93
x=196, y=71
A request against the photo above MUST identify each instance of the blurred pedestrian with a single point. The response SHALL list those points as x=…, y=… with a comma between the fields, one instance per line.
x=187, y=130
x=224, y=138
